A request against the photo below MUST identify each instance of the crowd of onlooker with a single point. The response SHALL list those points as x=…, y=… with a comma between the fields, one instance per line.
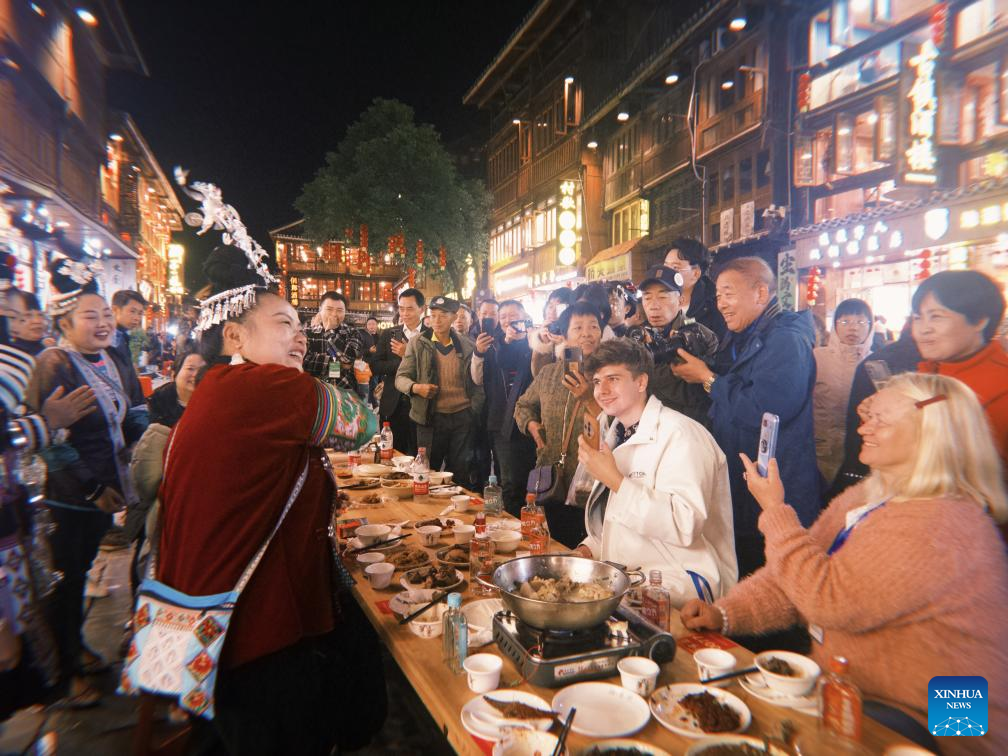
x=634, y=412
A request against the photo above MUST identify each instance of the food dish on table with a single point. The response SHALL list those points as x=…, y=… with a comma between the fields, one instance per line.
x=562, y=589
x=432, y=577
x=780, y=667
x=622, y=747
x=484, y=721
x=695, y=710
x=409, y=558
x=454, y=556
x=735, y=745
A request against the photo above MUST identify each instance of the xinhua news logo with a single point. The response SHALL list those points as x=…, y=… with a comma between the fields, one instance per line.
x=957, y=706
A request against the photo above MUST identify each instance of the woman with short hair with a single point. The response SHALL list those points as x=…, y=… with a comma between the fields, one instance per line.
x=904, y=574
x=553, y=406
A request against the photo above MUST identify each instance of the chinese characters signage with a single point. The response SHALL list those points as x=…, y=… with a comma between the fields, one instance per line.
x=919, y=159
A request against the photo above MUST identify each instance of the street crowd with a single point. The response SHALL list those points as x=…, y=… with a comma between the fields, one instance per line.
x=869, y=528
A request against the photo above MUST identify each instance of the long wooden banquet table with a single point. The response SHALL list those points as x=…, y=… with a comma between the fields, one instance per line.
x=444, y=694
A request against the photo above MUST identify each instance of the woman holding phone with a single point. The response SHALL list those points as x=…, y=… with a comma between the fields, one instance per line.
x=554, y=406
x=904, y=574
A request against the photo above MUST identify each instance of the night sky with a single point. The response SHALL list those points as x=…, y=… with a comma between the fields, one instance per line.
x=251, y=95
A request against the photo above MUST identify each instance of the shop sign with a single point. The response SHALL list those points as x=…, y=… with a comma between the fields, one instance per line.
x=727, y=225
x=787, y=280
x=748, y=217
x=919, y=158
x=515, y=278
x=176, y=254
x=567, y=221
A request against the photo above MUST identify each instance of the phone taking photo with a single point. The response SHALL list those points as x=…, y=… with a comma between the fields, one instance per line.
x=767, y=442
x=592, y=432
x=572, y=359
x=488, y=325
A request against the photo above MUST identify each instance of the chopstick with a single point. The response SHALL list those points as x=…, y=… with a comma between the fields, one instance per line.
x=564, y=732
x=438, y=598
x=729, y=675
x=380, y=545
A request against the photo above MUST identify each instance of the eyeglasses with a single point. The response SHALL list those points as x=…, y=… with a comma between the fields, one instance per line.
x=848, y=322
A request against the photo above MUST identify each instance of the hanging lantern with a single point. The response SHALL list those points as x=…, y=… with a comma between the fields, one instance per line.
x=925, y=265
x=337, y=252
x=412, y=278
x=804, y=92
x=362, y=257
x=442, y=257
x=419, y=252
x=363, y=236
x=348, y=235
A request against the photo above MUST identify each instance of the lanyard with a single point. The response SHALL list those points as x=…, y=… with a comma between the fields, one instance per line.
x=843, y=535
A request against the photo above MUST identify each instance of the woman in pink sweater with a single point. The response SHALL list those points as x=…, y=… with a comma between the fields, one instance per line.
x=904, y=574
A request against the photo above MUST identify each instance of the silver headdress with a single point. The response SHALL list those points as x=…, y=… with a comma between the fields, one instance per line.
x=217, y=215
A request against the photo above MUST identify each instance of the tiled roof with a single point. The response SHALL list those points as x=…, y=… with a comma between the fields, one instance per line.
x=935, y=198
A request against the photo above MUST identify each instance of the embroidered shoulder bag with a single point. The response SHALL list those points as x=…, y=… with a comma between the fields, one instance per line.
x=178, y=638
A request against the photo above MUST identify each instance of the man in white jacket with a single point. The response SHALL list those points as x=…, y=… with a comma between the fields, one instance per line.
x=661, y=499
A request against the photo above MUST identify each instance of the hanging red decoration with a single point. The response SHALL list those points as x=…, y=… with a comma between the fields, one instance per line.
x=442, y=257
x=362, y=257
x=419, y=252
x=804, y=92
x=412, y=278
x=348, y=234
x=925, y=265
x=939, y=24
x=812, y=288
x=337, y=252
x=363, y=236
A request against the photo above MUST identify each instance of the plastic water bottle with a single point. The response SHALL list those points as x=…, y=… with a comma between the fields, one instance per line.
x=493, y=497
x=386, y=443
x=421, y=473
x=455, y=634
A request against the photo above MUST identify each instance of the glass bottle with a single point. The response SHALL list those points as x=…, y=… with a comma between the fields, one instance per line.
x=656, y=603
x=840, y=710
x=481, y=557
x=387, y=447
x=455, y=634
x=528, y=514
x=421, y=473
x=539, y=535
x=493, y=497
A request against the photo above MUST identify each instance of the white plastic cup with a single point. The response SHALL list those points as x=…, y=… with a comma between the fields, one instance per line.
x=369, y=557
x=712, y=662
x=483, y=671
x=463, y=533
x=379, y=574
x=638, y=674
x=429, y=534
x=461, y=502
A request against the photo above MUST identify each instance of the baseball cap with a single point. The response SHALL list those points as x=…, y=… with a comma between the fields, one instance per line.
x=670, y=278
x=444, y=303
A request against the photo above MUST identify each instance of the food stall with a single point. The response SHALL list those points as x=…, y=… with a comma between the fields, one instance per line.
x=569, y=660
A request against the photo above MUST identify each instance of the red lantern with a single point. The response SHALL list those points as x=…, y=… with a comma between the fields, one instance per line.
x=348, y=235
x=925, y=265
x=804, y=92
x=812, y=288
x=337, y=253
x=419, y=252
x=442, y=257
x=412, y=278
x=363, y=236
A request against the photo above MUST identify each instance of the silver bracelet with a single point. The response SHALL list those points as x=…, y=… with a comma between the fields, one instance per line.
x=724, y=619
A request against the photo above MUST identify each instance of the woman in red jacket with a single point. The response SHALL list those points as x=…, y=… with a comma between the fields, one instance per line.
x=252, y=423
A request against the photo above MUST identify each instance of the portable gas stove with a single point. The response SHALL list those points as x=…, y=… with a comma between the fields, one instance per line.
x=553, y=658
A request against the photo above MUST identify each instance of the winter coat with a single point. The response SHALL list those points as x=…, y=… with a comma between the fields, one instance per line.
x=769, y=368
x=500, y=402
x=673, y=510
x=835, y=366
x=146, y=470
x=419, y=366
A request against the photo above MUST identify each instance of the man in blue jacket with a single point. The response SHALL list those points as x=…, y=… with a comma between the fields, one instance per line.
x=763, y=364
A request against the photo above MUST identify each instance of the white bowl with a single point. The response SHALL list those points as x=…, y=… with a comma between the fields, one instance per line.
x=379, y=574
x=370, y=557
x=440, y=478
x=402, y=462
x=525, y=743
x=369, y=535
x=392, y=488
x=429, y=534
x=463, y=533
x=784, y=685
x=429, y=624
x=461, y=502
x=505, y=541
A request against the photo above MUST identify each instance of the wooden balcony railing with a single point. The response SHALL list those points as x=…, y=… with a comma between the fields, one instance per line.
x=719, y=128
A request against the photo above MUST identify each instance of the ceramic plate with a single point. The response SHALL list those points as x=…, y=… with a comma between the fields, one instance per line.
x=493, y=732
x=754, y=685
x=410, y=600
x=666, y=709
x=404, y=582
x=479, y=615
x=356, y=543
x=373, y=469
x=462, y=565
x=604, y=710
x=698, y=749
x=618, y=744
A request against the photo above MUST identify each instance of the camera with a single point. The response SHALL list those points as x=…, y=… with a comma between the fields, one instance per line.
x=664, y=348
x=522, y=326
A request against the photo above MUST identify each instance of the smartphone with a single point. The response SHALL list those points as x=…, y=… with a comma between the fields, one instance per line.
x=767, y=442
x=520, y=326
x=488, y=325
x=560, y=309
x=879, y=373
x=591, y=431
x=572, y=359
